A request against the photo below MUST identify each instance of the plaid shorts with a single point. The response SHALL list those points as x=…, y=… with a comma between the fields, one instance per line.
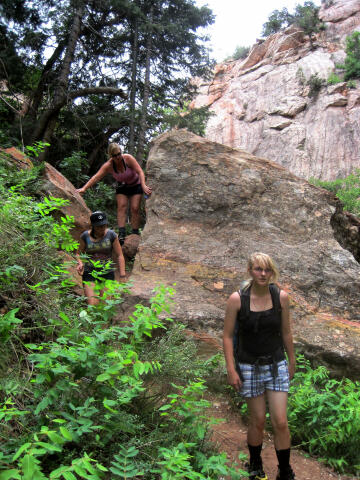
x=258, y=378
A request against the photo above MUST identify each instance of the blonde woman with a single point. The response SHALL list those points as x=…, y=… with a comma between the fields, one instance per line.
x=130, y=186
x=257, y=333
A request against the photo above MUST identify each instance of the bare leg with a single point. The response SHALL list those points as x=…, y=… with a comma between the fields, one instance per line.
x=257, y=411
x=122, y=203
x=89, y=290
x=135, y=201
x=278, y=415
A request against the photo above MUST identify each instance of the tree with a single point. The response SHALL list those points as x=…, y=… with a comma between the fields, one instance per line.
x=305, y=17
x=278, y=20
x=352, y=60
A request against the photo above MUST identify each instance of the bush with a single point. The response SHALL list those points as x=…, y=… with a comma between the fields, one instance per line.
x=315, y=83
x=333, y=79
x=346, y=189
x=352, y=60
x=241, y=52
x=324, y=416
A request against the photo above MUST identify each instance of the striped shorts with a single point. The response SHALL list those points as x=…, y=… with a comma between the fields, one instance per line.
x=258, y=378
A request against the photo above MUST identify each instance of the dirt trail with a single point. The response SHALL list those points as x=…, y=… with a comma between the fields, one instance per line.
x=230, y=436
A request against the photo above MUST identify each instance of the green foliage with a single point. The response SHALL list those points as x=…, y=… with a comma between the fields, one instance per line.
x=277, y=20
x=241, y=52
x=346, y=189
x=306, y=17
x=74, y=380
x=333, y=79
x=35, y=149
x=194, y=119
x=72, y=168
x=351, y=84
x=352, y=60
x=315, y=83
x=324, y=416
x=102, y=197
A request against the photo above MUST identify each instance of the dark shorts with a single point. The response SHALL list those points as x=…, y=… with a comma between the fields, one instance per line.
x=87, y=277
x=257, y=379
x=129, y=190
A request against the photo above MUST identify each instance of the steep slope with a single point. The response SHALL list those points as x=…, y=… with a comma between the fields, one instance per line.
x=262, y=104
x=211, y=207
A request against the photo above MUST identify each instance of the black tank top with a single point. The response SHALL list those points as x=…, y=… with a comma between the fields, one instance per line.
x=261, y=333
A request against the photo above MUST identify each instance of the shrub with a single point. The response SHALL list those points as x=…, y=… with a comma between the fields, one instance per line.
x=333, y=79
x=346, y=189
x=241, y=52
x=315, y=83
x=324, y=416
x=352, y=60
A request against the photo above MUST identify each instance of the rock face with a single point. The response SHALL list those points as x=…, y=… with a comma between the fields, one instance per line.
x=211, y=207
x=56, y=185
x=262, y=104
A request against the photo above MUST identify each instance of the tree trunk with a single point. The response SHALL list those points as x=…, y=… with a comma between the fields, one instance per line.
x=103, y=141
x=37, y=96
x=46, y=124
x=133, y=89
x=143, y=119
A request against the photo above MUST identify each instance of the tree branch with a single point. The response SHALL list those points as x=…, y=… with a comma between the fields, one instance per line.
x=82, y=92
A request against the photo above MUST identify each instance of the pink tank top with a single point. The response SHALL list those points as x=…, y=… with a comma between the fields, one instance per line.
x=129, y=177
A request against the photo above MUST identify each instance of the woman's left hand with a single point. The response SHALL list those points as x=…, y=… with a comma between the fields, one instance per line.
x=147, y=190
x=291, y=368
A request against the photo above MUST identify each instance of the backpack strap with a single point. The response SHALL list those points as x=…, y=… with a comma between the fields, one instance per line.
x=275, y=297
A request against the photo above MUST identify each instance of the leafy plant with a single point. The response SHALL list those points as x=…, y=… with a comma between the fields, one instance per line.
x=333, y=79
x=315, y=83
x=324, y=416
x=352, y=60
x=346, y=189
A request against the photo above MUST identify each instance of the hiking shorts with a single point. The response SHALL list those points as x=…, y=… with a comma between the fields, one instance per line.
x=258, y=378
x=87, y=277
x=129, y=190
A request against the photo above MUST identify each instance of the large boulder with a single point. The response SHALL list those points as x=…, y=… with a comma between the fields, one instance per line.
x=56, y=185
x=211, y=207
x=262, y=104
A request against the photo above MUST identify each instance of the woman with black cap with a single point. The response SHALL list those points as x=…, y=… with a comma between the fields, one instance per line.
x=101, y=245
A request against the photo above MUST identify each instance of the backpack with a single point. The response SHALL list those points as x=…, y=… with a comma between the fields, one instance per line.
x=244, y=313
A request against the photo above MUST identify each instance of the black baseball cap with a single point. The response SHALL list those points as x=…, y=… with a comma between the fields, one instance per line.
x=98, y=218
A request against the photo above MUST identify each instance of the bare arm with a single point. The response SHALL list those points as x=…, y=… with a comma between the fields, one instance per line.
x=81, y=249
x=96, y=178
x=286, y=331
x=132, y=163
x=118, y=254
x=232, y=309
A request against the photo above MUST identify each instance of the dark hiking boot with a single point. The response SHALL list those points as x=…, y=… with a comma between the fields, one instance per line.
x=287, y=474
x=256, y=471
x=122, y=235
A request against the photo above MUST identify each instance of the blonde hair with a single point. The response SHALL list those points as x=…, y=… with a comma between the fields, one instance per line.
x=264, y=261
x=113, y=146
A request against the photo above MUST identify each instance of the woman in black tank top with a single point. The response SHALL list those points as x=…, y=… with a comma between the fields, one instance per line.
x=260, y=371
x=101, y=245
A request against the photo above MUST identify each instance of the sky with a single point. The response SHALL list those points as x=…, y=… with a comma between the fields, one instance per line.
x=240, y=22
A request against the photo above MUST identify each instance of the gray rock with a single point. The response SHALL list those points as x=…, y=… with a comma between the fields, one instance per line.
x=202, y=228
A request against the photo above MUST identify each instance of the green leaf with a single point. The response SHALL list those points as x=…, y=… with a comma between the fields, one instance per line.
x=12, y=474
x=65, y=433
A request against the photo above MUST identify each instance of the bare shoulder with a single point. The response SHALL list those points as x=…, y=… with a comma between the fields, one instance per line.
x=234, y=301
x=129, y=158
x=284, y=298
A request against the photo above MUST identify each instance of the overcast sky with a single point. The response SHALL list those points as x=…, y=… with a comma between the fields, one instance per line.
x=239, y=22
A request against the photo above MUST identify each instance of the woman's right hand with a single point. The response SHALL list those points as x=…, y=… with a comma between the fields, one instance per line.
x=81, y=191
x=234, y=380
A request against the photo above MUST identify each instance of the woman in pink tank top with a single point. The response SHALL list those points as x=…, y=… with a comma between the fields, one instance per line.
x=131, y=185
